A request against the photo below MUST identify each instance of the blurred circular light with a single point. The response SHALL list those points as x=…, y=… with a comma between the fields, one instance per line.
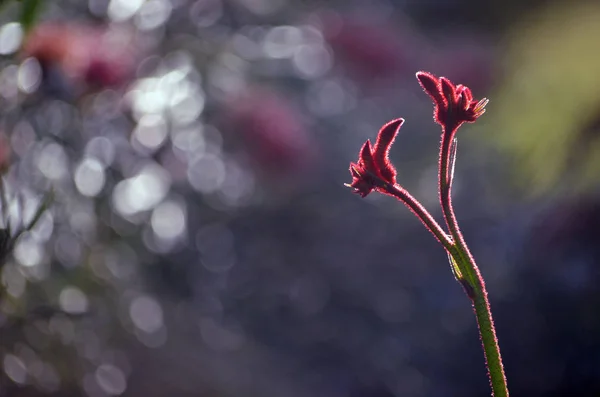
x=146, y=314
x=28, y=252
x=147, y=97
x=102, y=149
x=9, y=87
x=111, y=379
x=52, y=161
x=43, y=227
x=153, y=14
x=68, y=249
x=245, y=47
x=180, y=61
x=185, y=109
x=73, y=300
x=168, y=220
x=122, y=10
x=174, y=82
x=89, y=177
x=151, y=131
x=11, y=36
x=327, y=98
x=121, y=261
x=205, y=13
x=207, y=173
x=189, y=139
x=29, y=76
x=238, y=186
x=281, y=41
x=312, y=61
x=142, y=192
x=15, y=368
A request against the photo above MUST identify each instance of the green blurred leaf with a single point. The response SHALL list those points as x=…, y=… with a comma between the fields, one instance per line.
x=30, y=10
x=542, y=110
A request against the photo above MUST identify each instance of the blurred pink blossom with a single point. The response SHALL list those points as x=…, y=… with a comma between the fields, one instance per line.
x=370, y=49
x=273, y=132
x=89, y=57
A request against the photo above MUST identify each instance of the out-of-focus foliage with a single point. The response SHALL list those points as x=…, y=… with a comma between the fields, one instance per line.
x=547, y=103
x=30, y=9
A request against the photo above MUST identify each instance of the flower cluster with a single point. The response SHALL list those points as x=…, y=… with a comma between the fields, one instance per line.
x=454, y=105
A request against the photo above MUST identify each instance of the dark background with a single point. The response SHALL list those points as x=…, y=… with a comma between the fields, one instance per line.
x=201, y=241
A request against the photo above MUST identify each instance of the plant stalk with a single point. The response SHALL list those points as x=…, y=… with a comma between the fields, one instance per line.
x=469, y=268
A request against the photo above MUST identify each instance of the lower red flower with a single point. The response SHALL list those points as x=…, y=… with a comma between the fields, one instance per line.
x=374, y=167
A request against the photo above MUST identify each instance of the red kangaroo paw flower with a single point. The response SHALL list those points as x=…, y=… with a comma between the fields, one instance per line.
x=454, y=104
x=373, y=166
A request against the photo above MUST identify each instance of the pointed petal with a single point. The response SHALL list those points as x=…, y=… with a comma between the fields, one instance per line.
x=448, y=90
x=467, y=91
x=431, y=86
x=385, y=138
x=366, y=157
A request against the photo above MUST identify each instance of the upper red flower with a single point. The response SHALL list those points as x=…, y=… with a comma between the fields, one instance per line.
x=374, y=166
x=454, y=104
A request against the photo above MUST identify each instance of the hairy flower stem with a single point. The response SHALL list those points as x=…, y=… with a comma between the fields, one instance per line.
x=477, y=293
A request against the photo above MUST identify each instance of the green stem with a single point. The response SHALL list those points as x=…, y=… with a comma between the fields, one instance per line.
x=469, y=268
x=489, y=340
x=485, y=321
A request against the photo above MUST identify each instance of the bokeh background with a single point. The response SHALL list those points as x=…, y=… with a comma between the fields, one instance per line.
x=200, y=241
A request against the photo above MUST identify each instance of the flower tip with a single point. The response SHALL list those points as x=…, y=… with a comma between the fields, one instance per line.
x=427, y=81
x=421, y=74
x=393, y=125
x=366, y=147
x=365, y=158
x=386, y=137
x=431, y=85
